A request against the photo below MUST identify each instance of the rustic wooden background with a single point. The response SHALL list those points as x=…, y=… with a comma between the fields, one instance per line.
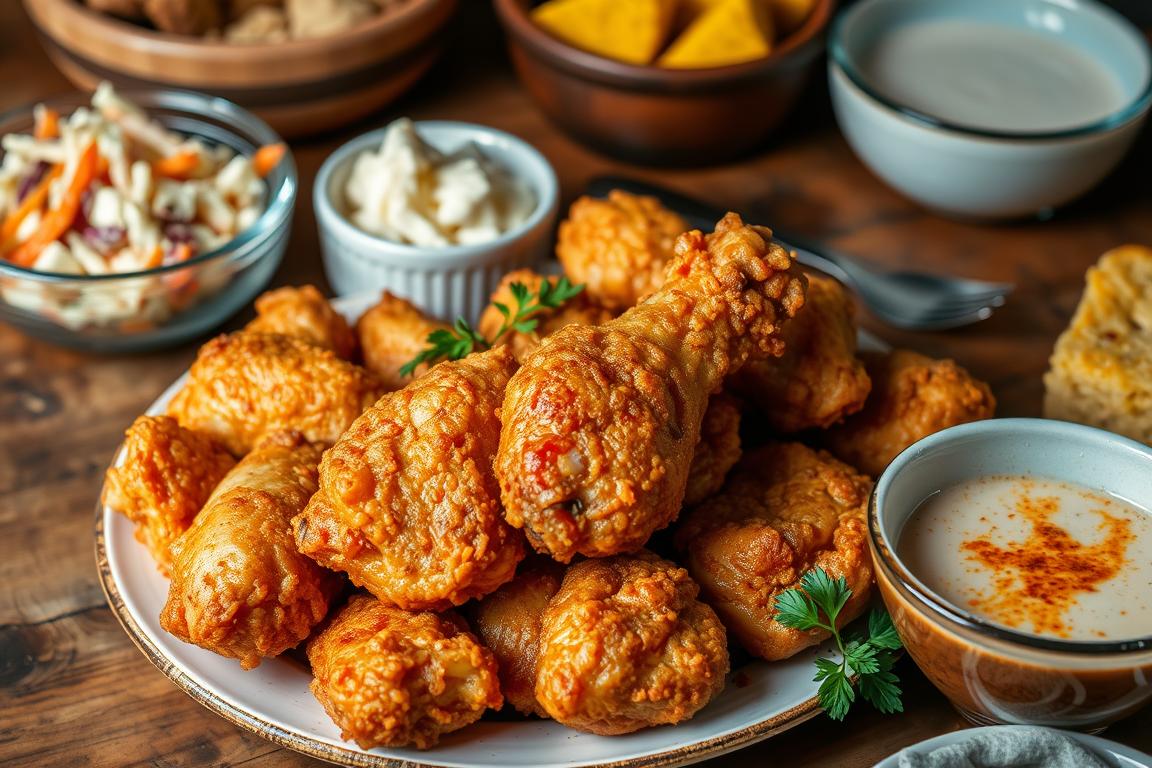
x=73, y=689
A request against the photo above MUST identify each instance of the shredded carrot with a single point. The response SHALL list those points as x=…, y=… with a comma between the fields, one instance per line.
x=47, y=124
x=155, y=259
x=178, y=166
x=57, y=221
x=181, y=253
x=33, y=201
x=267, y=158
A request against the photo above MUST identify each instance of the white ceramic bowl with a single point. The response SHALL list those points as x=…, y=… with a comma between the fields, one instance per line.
x=1111, y=753
x=449, y=282
x=991, y=673
x=985, y=174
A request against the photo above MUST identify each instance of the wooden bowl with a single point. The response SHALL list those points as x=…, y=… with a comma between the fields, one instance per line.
x=650, y=114
x=299, y=87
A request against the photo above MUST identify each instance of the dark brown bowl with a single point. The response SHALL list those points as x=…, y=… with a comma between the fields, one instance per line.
x=649, y=114
x=299, y=86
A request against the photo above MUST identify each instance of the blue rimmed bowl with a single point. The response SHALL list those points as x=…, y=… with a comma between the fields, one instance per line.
x=968, y=168
x=171, y=304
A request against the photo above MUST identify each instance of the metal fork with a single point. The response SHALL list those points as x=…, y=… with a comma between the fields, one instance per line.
x=911, y=300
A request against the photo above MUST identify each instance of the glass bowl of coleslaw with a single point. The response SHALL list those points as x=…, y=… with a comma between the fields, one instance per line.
x=137, y=220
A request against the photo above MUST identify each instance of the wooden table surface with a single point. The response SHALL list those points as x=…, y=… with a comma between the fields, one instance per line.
x=74, y=691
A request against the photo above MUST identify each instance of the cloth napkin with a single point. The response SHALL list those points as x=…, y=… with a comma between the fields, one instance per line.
x=1006, y=748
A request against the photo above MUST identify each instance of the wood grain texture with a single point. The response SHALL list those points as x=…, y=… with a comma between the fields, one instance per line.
x=74, y=691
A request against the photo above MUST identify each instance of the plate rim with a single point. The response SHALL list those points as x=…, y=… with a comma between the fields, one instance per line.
x=356, y=758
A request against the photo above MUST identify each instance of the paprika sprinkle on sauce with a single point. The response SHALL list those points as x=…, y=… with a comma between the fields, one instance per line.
x=1039, y=556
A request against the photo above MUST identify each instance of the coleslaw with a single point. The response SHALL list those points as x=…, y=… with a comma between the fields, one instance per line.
x=108, y=191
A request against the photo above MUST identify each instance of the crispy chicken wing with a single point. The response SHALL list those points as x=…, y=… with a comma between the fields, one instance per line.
x=785, y=510
x=246, y=385
x=818, y=380
x=579, y=309
x=718, y=449
x=601, y=421
x=626, y=645
x=165, y=477
x=391, y=333
x=912, y=397
x=239, y=587
x=303, y=313
x=508, y=621
x=618, y=247
x=408, y=505
x=390, y=678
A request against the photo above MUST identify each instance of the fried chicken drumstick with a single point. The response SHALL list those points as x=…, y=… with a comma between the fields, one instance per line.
x=239, y=587
x=600, y=423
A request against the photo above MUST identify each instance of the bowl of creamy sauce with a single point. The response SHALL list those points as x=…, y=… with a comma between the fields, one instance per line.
x=1013, y=555
x=435, y=212
x=989, y=108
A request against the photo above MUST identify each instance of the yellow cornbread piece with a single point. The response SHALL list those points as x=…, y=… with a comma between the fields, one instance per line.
x=730, y=32
x=631, y=31
x=788, y=15
x=1101, y=370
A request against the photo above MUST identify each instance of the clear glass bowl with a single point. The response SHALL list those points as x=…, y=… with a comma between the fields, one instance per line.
x=168, y=305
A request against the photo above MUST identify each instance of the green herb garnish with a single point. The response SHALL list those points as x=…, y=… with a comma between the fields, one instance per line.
x=462, y=339
x=869, y=655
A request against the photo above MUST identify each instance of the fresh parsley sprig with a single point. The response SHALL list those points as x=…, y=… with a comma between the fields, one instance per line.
x=869, y=655
x=462, y=339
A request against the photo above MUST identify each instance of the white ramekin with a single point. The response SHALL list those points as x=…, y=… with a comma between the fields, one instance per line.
x=970, y=173
x=449, y=282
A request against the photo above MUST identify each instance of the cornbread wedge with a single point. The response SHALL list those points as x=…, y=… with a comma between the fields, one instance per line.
x=631, y=31
x=1101, y=370
x=730, y=32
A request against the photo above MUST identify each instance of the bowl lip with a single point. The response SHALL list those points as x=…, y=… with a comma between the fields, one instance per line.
x=329, y=217
x=808, y=38
x=839, y=57
x=170, y=46
x=1039, y=429
x=277, y=211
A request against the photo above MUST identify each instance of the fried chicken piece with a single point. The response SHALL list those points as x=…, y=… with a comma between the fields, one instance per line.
x=508, y=621
x=246, y=385
x=318, y=18
x=239, y=587
x=618, y=247
x=185, y=17
x=601, y=421
x=785, y=510
x=408, y=505
x=818, y=380
x=164, y=478
x=391, y=333
x=718, y=449
x=390, y=678
x=626, y=645
x=912, y=397
x=303, y=313
x=578, y=309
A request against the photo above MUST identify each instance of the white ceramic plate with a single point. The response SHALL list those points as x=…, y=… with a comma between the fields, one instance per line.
x=273, y=700
x=1116, y=755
